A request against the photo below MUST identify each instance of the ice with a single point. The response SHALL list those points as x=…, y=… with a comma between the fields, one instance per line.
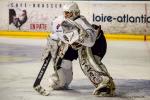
x=20, y=61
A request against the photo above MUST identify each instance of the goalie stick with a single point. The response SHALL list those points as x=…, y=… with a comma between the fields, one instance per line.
x=37, y=82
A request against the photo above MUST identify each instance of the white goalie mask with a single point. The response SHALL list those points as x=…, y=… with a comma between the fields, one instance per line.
x=73, y=7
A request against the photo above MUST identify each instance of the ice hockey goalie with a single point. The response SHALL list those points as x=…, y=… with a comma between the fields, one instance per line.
x=86, y=42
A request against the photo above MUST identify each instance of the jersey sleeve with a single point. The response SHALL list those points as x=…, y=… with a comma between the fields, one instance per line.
x=87, y=35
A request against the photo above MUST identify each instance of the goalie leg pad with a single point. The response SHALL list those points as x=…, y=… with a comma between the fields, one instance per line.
x=63, y=77
x=105, y=88
x=97, y=73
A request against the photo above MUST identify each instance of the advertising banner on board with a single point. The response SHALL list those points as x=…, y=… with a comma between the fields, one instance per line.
x=32, y=16
x=114, y=17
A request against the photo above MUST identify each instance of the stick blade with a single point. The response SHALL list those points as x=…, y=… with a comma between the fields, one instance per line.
x=41, y=90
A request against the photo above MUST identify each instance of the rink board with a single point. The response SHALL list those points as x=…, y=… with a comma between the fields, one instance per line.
x=43, y=35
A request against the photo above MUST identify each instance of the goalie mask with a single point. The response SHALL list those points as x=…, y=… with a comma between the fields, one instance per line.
x=71, y=11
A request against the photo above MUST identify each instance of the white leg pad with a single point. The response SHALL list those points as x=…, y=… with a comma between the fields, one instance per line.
x=65, y=75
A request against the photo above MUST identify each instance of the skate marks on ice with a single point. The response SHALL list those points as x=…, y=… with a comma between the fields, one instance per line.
x=17, y=85
x=19, y=53
x=20, y=88
x=126, y=89
x=17, y=77
x=132, y=88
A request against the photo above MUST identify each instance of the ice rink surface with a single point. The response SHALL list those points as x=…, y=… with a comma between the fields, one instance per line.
x=20, y=61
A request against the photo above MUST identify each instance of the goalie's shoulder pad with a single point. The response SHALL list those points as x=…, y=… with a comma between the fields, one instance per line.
x=83, y=21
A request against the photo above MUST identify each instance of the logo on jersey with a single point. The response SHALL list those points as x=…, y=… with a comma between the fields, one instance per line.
x=57, y=27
